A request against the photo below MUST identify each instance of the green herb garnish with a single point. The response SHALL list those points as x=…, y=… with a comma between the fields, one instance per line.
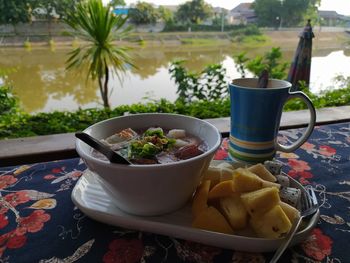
x=151, y=142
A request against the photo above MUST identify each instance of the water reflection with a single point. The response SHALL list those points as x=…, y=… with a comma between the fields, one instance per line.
x=332, y=64
x=43, y=84
x=40, y=78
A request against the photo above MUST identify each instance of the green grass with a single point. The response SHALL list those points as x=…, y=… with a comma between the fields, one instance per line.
x=252, y=41
x=200, y=41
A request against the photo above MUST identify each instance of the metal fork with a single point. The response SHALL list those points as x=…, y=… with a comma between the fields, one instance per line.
x=309, y=207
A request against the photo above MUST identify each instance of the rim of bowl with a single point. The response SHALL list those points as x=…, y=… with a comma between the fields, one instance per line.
x=86, y=155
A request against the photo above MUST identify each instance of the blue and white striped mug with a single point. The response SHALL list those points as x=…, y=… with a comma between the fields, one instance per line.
x=255, y=119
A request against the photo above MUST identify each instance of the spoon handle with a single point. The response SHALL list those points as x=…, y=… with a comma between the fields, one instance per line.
x=263, y=79
x=111, y=155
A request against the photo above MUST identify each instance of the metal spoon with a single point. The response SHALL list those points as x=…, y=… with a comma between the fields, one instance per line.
x=111, y=155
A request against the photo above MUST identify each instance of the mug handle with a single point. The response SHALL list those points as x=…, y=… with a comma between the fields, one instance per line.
x=309, y=129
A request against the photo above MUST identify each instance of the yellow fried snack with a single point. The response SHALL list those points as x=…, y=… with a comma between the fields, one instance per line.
x=213, y=174
x=211, y=219
x=245, y=181
x=245, y=201
x=291, y=212
x=225, y=165
x=226, y=174
x=222, y=189
x=260, y=201
x=273, y=224
x=270, y=184
x=261, y=171
x=234, y=211
x=200, y=198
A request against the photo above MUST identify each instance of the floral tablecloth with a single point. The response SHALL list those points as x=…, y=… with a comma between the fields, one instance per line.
x=39, y=222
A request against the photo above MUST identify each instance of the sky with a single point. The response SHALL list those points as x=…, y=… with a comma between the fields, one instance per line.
x=341, y=6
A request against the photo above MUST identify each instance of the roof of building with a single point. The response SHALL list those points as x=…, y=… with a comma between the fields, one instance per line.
x=242, y=6
x=328, y=14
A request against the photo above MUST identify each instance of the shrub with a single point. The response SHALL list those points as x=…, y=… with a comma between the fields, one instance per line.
x=23, y=125
x=9, y=103
x=62, y=122
x=209, y=84
x=248, y=30
x=271, y=61
x=11, y=116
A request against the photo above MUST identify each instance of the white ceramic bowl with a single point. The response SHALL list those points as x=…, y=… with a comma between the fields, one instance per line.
x=155, y=189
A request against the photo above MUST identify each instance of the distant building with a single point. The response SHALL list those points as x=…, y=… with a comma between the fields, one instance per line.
x=332, y=18
x=121, y=11
x=242, y=14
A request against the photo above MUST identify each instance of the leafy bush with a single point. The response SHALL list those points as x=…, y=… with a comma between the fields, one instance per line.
x=248, y=30
x=62, y=122
x=271, y=61
x=9, y=103
x=11, y=115
x=209, y=85
x=23, y=125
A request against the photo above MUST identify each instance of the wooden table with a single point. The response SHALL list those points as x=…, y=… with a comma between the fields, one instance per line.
x=39, y=222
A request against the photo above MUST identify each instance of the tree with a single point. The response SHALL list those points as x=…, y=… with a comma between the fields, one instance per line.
x=54, y=8
x=99, y=28
x=194, y=11
x=115, y=3
x=143, y=13
x=166, y=15
x=14, y=12
x=312, y=13
x=268, y=12
x=293, y=11
x=276, y=13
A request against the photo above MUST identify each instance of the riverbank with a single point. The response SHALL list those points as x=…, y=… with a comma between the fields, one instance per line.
x=41, y=68
x=286, y=39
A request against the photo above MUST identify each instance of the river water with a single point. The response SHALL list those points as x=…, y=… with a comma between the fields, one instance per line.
x=42, y=84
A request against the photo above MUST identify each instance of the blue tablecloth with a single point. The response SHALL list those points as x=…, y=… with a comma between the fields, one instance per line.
x=39, y=222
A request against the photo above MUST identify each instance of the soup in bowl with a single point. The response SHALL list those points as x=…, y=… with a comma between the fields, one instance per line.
x=168, y=154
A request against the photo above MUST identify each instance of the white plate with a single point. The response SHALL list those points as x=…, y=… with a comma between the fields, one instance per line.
x=92, y=200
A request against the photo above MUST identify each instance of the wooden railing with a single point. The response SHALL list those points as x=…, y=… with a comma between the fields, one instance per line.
x=62, y=146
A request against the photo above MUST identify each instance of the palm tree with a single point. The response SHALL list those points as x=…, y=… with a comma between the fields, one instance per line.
x=98, y=28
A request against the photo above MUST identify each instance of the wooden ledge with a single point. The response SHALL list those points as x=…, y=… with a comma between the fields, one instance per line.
x=295, y=119
x=62, y=146
x=37, y=149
